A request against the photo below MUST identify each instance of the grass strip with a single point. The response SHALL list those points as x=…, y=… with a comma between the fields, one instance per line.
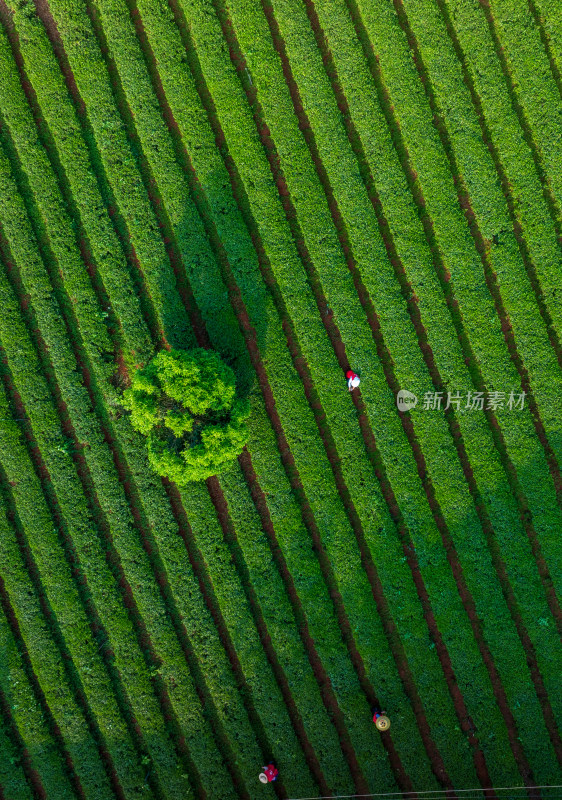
x=234, y=257
x=383, y=167
x=28, y=715
x=548, y=16
x=47, y=82
x=87, y=203
x=232, y=712
x=528, y=227
x=109, y=491
x=356, y=211
x=476, y=169
x=56, y=675
x=12, y=780
x=491, y=365
x=89, y=93
x=240, y=723
x=226, y=108
x=230, y=597
x=27, y=372
x=382, y=164
x=171, y=186
x=461, y=260
x=251, y=550
x=526, y=458
x=532, y=86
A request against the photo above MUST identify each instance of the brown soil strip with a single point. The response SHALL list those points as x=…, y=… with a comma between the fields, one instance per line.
x=149, y=544
x=487, y=657
x=8, y=723
x=384, y=355
x=93, y=502
x=467, y=599
x=545, y=39
x=333, y=333
x=106, y=191
x=205, y=584
x=483, y=245
x=245, y=460
x=322, y=677
x=222, y=259
x=72, y=675
x=510, y=81
x=491, y=281
x=136, y=504
x=239, y=194
x=229, y=532
x=150, y=183
x=453, y=305
x=389, y=625
x=31, y=774
x=50, y=148
x=494, y=549
x=153, y=659
x=143, y=527
x=207, y=702
x=103, y=528
x=82, y=469
x=123, y=380
x=134, y=501
x=203, y=341
x=250, y=338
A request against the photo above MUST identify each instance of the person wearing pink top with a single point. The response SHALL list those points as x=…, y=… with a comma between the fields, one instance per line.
x=269, y=773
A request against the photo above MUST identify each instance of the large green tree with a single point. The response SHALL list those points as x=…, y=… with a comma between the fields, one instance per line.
x=185, y=403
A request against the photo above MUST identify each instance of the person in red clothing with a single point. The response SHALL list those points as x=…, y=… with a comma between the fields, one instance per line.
x=269, y=773
x=353, y=379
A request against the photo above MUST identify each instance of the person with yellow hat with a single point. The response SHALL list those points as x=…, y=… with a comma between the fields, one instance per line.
x=380, y=719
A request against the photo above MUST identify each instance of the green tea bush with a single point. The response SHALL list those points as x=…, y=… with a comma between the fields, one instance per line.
x=186, y=404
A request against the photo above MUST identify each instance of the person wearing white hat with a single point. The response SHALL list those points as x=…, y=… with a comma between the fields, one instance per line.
x=269, y=773
x=353, y=379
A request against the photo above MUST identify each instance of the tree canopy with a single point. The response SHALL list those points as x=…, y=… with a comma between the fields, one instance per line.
x=186, y=404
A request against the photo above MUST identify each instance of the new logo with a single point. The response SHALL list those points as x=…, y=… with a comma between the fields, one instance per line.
x=405, y=400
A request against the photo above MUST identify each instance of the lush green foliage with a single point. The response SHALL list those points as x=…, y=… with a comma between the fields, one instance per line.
x=273, y=181
x=186, y=404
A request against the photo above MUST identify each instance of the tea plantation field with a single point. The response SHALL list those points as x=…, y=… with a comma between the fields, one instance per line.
x=304, y=186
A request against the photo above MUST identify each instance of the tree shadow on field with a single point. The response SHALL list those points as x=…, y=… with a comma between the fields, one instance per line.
x=222, y=315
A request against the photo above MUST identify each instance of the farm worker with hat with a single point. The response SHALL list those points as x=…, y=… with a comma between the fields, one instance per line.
x=380, y=719
x=353, y=380
x=269, y=773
